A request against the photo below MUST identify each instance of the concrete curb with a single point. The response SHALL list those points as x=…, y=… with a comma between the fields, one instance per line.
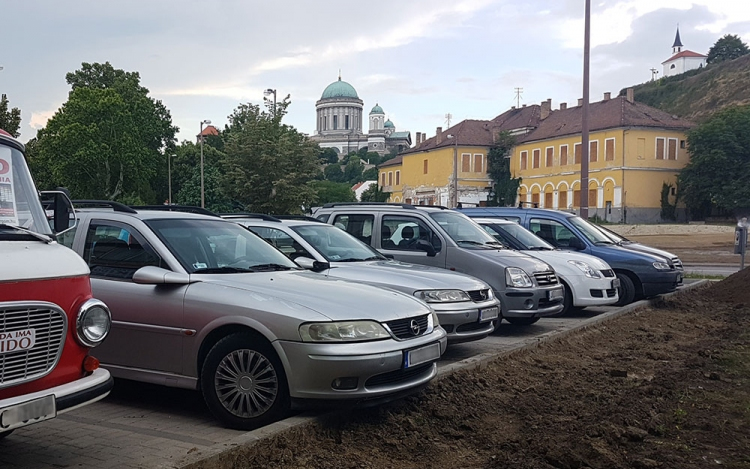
x=222, y=455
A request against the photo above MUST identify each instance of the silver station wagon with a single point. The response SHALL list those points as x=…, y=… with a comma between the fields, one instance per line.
x=202, y=303
x=466, y=306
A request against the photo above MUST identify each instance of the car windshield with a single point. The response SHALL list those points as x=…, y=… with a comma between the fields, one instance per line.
x=335, y=244
x=19, y=200
x=520, y=236
x=590, y=231
x=612, y=235
x=217, y=246
x=463, y=230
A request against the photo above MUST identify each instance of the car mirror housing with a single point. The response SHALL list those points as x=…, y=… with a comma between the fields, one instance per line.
x=576, y=244
x=423, y=245
x=311, y=264
x=150, y=275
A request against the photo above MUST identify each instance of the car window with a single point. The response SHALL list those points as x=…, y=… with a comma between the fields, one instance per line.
x=116, y=251
x=359, y=226
x=335, y=244
x=281, y=241
x=555, y=233
x=67, y=238
x=402, y=233
x=465, y=232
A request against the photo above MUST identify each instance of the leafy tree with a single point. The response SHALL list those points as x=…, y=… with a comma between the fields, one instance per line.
x=370, y=174
x=328, y=156
x=728, y=47
x=107, y=140
x=186, y=173
x=333, y=173
x=374, y=194
x=328, y=192
x=10, y=120
x=268, y=164
x=719, y=169
x=668, y=209
x=504, y=187
x=353, y=170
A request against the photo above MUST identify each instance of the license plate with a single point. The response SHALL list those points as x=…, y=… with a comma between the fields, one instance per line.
x=17, y=341
x=616, y=283
x=679, y=278
x=555, y=294
x=489, y=313
x=26, y=413
x=421, y=355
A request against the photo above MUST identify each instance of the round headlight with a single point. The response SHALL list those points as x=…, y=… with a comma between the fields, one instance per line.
x=93, y=323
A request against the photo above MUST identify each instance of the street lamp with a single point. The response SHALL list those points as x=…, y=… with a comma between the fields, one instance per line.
x=169, y=172
x=270, y=92
x=200, y=135
x=454, y=196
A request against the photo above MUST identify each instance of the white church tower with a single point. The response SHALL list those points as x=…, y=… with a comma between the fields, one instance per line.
x=682, y=60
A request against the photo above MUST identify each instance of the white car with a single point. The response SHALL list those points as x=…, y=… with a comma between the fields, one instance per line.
x=588, y=280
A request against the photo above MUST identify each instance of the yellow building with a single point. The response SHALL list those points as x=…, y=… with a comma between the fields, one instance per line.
x=634, y=150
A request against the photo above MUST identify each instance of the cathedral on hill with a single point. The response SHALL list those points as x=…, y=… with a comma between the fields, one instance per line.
x=339, y=114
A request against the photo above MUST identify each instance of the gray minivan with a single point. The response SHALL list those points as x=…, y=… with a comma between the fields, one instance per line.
x=528, y=288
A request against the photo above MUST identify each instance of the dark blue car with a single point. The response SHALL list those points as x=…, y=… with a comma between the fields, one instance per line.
x=641, y=274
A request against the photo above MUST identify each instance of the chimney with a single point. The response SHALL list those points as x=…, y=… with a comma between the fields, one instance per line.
x=523, y=105
x=563, y=106
x=419, y=134
x=512, y=108
x=607, y=96
x=546, y=109
x=580, y=102
x=630, y=95
x=438, y=135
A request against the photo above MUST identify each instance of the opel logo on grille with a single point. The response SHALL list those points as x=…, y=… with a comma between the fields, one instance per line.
x=414, y=325
x=549, y=278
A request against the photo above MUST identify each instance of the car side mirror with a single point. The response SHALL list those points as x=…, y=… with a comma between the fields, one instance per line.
x=423, y=245
x=151, y=275
x=312, y=264
x=576, y=244
x=61, y=207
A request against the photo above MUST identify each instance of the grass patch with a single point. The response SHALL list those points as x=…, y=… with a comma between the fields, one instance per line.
x=694, y=275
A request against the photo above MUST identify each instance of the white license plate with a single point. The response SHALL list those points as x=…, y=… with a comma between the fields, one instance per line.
x=17, y=341
x=616, y=283
x=421, y=355
x=555, y=294
x=27, y=413
x=489, y=313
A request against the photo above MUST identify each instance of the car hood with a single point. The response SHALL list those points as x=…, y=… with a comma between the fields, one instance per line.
x=403, y=276
x=335, y=299
x=35, y=260
x=632, y=246
x=509, y=258
x=559, y=259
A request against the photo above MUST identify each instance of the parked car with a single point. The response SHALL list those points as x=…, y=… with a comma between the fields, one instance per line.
x=588, y=280
x=202, y=303
x=641, y=274
x=528, y=288
x=466, y=306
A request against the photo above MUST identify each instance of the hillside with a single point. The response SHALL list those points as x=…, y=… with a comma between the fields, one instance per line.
x=697, y=94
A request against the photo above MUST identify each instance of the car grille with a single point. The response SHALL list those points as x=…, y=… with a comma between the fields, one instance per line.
x=479, y=295
x=609, y=273
x=403, y=328
x=399, y=376
x=677, y=263
x=50, y=326
x=545, y=278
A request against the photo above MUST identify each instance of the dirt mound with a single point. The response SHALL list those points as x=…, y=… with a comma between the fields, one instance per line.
x=734, y=289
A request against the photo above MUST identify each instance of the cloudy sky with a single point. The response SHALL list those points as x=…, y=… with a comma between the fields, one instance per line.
x=419, y=59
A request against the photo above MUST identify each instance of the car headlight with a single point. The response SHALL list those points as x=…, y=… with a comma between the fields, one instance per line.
x=342, y=331
x=93, y=323
x=517, y=277
x=586, y=269
x=662, y=266
x=442, y=296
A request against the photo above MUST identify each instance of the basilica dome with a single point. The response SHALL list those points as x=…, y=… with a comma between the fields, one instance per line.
x=339, y=89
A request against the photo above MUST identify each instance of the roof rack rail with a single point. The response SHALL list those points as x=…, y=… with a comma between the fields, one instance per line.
x=261, y=216
x=177, y=208
x=387, y=204
x=532, y=204
x=116, y=206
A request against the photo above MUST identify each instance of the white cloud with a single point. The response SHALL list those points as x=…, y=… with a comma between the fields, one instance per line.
x=39, y=118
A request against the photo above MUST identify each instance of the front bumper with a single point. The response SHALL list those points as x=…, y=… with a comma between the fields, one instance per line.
x=589, y=291
x=48, y=403
x=467, y=321
x=660, y=282
x=378, y=367
x=532, y=302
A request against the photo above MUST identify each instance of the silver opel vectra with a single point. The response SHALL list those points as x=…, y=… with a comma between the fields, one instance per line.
x=201, y=303
x=466, y=306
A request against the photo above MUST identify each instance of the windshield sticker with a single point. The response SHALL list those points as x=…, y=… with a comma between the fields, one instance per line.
x=8, y=215
x=199, y=265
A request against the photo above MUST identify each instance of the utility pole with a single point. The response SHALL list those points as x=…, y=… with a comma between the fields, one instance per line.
x=519, y=91
x=585, y=115
x=654, y=74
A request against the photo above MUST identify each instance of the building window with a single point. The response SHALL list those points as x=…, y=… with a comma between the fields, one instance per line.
x=537, y=156
x=478, y=163
x=346, y=122
x=382, y=179
x=682, y=144
x=535, y=199
x=390, y=178
x=524, y=160
x=563, y=155
x=550, y=157
x=577, y=151
x=593, y=202
x=562, y=199
x=425, y=167
x=660, y=148
x=594, y=151
x=672, y=149
x=465, y=163
x=324, y=123
x=398, y=177
x=335, y=122
x=609, y=149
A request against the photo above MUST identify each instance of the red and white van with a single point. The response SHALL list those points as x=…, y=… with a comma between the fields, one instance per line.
x=48, y=318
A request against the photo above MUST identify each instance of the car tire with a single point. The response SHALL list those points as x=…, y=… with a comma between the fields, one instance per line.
x=243, y=382
x=4, y=434
x=567, y=300
x=522, y=321
x=626, y=292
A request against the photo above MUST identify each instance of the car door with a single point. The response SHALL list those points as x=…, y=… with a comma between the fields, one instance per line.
x=146, y=319
x=400, y=237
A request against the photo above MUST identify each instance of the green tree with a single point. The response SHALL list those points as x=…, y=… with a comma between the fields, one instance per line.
x=719, y=169
x=333, y=173
x=504, y=187
x=370, y=174
x=186, y=173
x=328, y=192
x=374, y=194
x=328, y=156
x=728, y=47
x=10, y=119
x=353, y=170
x=107, y=141
x=268, y=164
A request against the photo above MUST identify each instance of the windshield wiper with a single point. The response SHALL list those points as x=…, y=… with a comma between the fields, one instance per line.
x=539, y=248
x=476, y=243
x=599, y=243
x=33, y=234
x=222, y=270
x=356, y=259
x=262, y=267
